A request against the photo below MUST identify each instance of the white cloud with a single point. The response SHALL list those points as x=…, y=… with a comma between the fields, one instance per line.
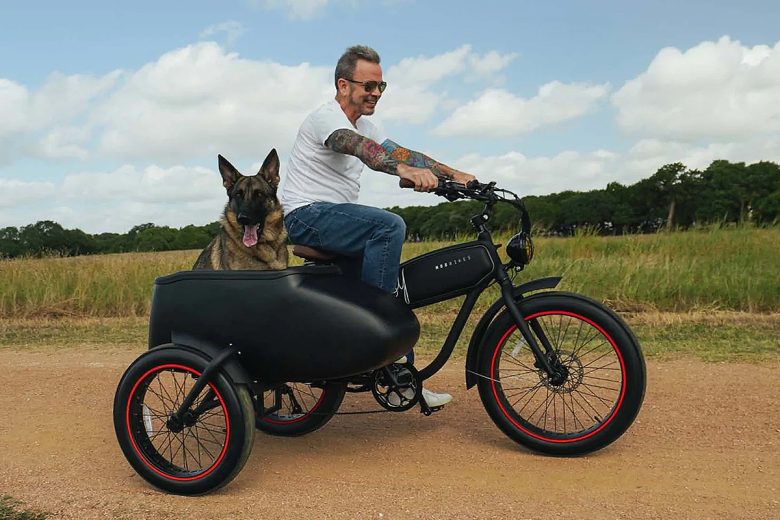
x=571, y=170
x=14, y=193
x=60, y=100
x=717, y=90
x=485, y=67
x=63, y=98
x=13, y=101
x=117, y=200
x=232, y=30
x=497, y=112
x=202, y=100
x=180, y=195
x=66, y=142
x=296, y=9
x=415, y=92
x=153, y=184
x=423, y=70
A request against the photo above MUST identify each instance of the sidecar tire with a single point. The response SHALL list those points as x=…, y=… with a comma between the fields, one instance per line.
x=315, y=417
x=198, y=458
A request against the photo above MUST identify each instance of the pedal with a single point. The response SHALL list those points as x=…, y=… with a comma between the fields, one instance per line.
x=428, y=410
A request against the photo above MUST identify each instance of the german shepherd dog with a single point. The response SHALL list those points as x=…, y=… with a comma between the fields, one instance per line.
x=252, y=234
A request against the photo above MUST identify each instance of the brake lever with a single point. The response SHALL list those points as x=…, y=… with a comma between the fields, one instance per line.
x=451, y=196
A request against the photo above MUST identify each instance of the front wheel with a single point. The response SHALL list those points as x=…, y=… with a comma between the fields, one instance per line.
x=199, y=453
x=603, y=371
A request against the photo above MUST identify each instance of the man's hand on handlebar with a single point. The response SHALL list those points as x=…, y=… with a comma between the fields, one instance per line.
x=463, y=178
x=421, y=179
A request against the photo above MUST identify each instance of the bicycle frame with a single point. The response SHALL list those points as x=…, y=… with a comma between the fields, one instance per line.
x=510, y=294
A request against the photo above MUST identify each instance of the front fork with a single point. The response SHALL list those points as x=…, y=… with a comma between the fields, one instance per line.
x=547, y=360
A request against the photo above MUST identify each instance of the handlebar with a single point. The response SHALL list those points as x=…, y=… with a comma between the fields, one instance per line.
x=475, y=190
x=452, y=190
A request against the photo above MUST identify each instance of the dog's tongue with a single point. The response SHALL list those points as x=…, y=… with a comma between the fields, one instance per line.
x=250, y=235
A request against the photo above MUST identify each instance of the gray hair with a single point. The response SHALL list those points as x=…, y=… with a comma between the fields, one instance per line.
x=345, y=68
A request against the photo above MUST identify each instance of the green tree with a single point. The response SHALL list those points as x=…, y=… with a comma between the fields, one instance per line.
x=10, y=242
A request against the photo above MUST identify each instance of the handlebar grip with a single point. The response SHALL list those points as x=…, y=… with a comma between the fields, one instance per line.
x=405, y=183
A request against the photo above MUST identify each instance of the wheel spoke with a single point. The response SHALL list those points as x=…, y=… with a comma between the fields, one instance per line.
x=591, y=394
x=583, y=399
x=538, y=387
x=511, y=359
x=196, y=446
x=300, y=400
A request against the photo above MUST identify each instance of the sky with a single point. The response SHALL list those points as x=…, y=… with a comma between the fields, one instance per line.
x=112, y=114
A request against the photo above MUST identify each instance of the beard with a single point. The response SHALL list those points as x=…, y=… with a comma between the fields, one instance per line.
x=365, y=103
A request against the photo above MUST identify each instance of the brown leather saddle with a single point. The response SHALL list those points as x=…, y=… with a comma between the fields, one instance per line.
x=313, y=254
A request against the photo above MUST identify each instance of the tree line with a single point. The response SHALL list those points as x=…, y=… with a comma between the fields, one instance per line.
x=674, y=197
x=47, y=238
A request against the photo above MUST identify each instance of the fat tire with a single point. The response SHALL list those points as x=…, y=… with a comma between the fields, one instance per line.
x=617, y=334
x=235, y=402
x=324, y=410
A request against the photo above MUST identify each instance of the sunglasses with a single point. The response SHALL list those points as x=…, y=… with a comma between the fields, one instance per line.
x=370, y=85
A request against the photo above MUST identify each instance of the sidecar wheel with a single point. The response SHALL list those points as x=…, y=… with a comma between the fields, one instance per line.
x=199, y=456
x=303, y=407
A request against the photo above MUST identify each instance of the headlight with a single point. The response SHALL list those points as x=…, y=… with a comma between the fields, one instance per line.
x=520, y=248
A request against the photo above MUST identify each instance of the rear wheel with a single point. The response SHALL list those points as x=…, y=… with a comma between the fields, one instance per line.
x=601, y=384
x=291, y=409
x=199, y=453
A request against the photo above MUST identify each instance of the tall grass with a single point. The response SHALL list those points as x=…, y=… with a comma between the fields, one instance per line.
x=714, y=268
x=734, y=269
x=103, y=285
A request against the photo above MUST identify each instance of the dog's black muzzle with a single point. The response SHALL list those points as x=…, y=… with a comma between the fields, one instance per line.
x=245, y=220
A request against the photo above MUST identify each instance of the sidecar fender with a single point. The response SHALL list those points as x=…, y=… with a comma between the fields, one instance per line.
x=549, y=282
x=232, y=365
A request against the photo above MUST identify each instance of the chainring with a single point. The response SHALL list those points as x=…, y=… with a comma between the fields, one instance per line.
x=397, y=387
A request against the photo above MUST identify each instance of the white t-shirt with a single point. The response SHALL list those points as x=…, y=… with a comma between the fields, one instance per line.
x=318, y=174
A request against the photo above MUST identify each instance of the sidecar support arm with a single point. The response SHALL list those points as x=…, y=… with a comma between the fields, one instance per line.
x=549, y=282
x=213, y=366
x=211, y=350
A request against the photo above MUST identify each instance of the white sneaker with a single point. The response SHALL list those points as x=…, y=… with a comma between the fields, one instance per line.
x=401, y=360
x=435, y=400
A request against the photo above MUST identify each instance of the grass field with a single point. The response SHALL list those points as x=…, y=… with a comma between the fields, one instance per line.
x=714, y=294
x=716, y=269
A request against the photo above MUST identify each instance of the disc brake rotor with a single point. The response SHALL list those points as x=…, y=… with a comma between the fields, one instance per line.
x=575, y=374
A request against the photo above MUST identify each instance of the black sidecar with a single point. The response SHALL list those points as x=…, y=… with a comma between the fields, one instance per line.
x=298, y=324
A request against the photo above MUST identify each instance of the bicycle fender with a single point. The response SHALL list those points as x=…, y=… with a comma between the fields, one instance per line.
x=233, y=367
x=550, y=282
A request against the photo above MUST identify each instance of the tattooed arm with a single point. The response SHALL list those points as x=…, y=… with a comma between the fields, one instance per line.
x=377, y=158
x=370, y=152
x=420, y=160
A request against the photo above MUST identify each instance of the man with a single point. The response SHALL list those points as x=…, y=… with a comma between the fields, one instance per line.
x=323, y=178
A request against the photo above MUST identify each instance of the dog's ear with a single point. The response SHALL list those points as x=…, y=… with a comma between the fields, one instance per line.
x=270, y=169
x=229, y=174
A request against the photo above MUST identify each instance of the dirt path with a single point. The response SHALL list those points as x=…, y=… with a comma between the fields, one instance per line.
x=706, y=445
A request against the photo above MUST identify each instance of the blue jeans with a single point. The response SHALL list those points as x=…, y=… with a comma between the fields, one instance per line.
x=354, y=230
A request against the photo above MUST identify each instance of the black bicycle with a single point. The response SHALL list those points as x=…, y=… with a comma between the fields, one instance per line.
x=235, y=351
